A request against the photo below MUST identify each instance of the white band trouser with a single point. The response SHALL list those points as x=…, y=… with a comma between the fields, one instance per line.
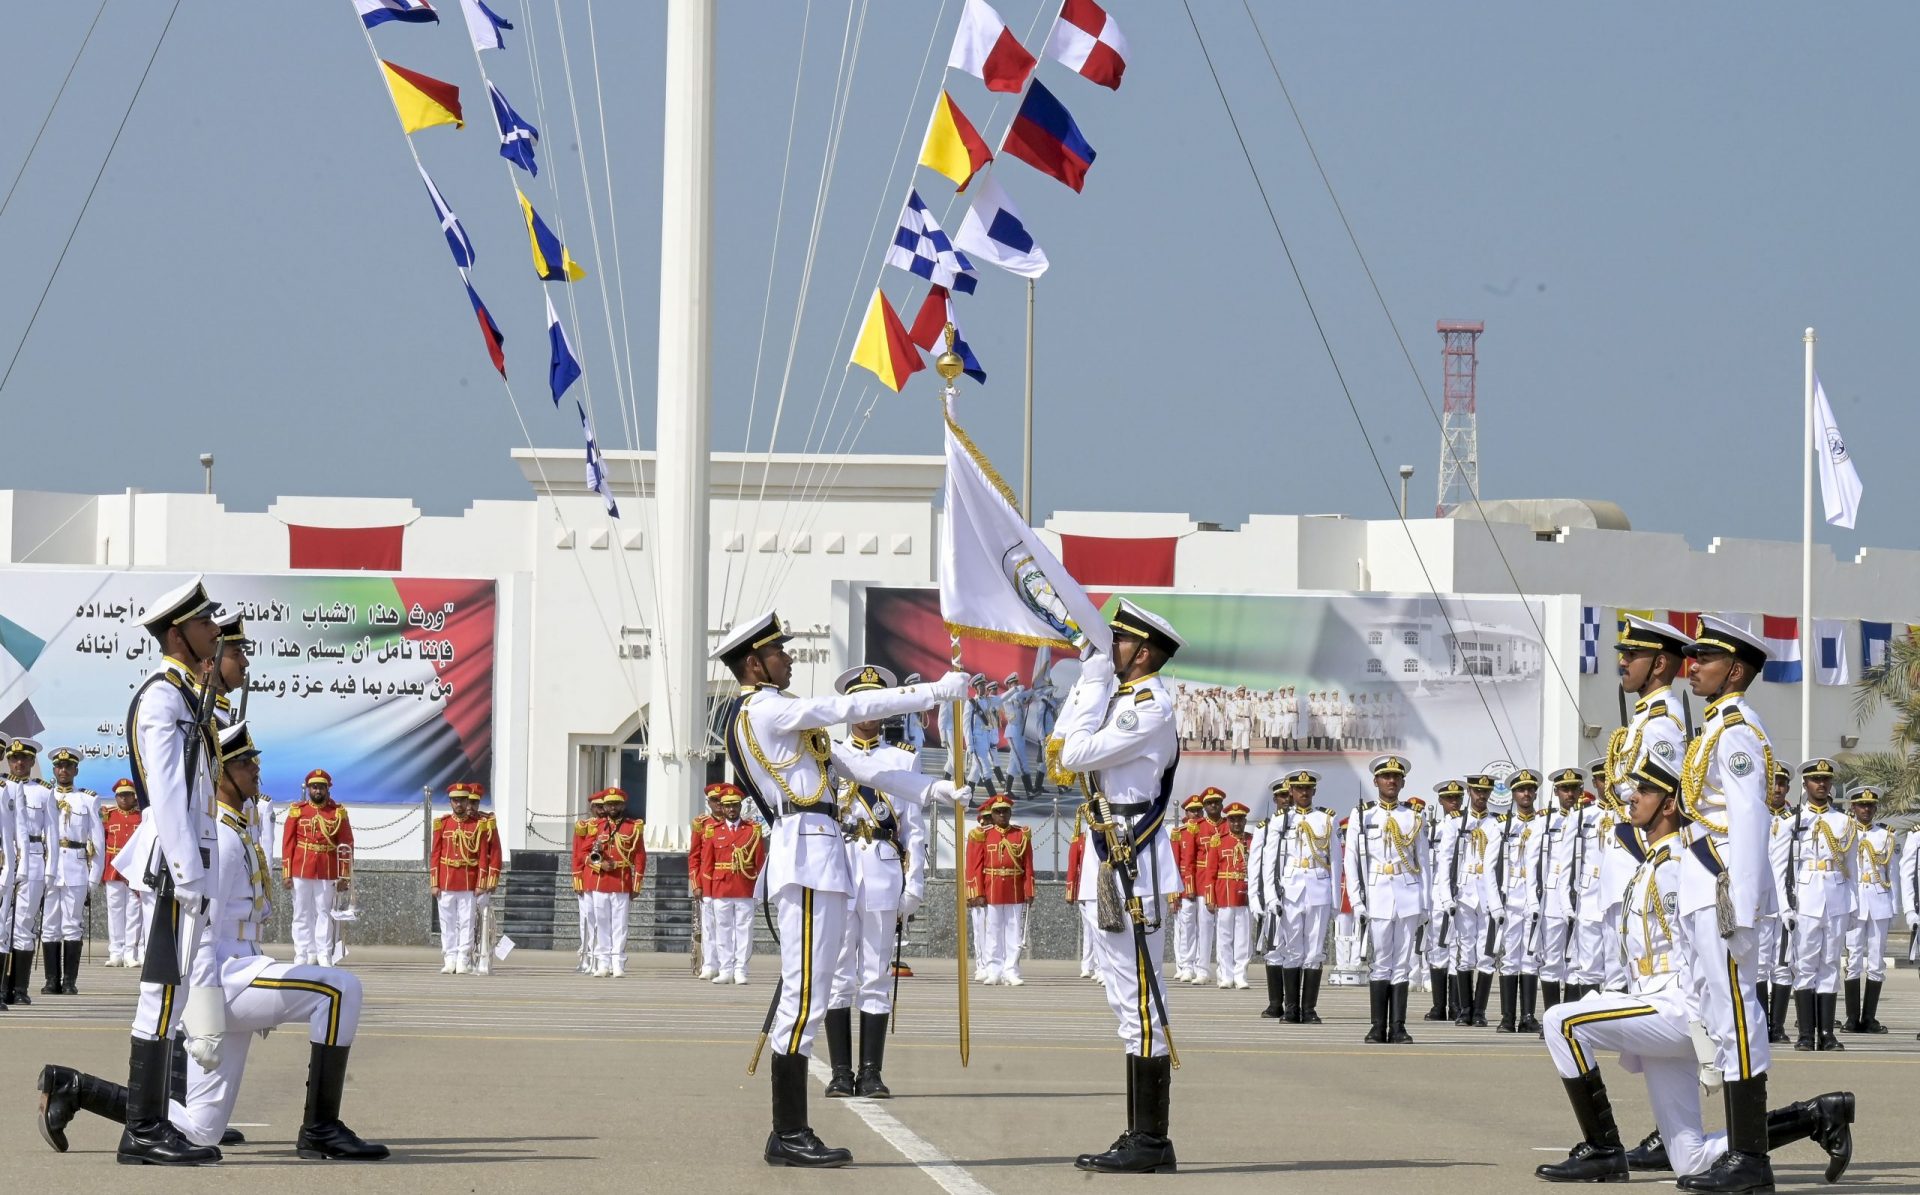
x=313, y=928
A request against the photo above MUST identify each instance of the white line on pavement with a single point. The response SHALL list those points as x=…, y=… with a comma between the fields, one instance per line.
x=952, y=1177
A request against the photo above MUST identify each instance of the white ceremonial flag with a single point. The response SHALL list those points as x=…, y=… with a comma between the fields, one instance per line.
x=1839, y=481
x=998, y=581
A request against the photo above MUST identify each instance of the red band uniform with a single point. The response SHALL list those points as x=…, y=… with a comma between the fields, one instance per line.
x=315, y=866
x=609, y=863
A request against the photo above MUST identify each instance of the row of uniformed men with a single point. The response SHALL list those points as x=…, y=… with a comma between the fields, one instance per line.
x=197, y=855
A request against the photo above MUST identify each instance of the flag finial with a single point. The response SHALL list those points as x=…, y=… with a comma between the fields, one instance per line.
x=949, y=364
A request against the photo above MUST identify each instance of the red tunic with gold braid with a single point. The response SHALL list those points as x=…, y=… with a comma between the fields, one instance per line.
x=466, y=854
x=120, y=825
x=736, y=851
x=1224, y=868
x=623, y=856
x=1006, y=865
x=1186, y=854
x=698, y=861
x=309, y=846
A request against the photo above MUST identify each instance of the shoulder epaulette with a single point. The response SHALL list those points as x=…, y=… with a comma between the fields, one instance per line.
x=639, y=823
x=441, y=820
x=976, y=835
x=1733, y=717
x=89, y=792
x=581, y=826
x=1326, y=811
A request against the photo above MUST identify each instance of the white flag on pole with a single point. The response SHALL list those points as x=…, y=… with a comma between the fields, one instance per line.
x=1839, y=481
x=998, y=581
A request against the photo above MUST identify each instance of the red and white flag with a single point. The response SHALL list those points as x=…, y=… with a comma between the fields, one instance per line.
x=985, y=48
x=1088, y=39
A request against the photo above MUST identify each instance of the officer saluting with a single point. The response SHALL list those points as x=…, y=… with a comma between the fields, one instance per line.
x=778, y=745
x=1117, y=725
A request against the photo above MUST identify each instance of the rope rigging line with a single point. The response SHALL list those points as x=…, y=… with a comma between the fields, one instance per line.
x=1339, y=374
x=1419, y=380
x=91, y=189
x=48, y=118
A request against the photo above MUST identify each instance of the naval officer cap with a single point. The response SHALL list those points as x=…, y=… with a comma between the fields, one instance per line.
x=1863, y=794
x=1388, y=765
x=1817, y=769
x=24, y=746
x=1597, y=768
x=863, y=679
x=1130, y=619
x=1720, y=637
x=1449, y=788
x=1782, y=772
x=1480, y=782
x=1524, y=778
x=236, y=743
x=177, y=607
x=65, y=755
x=1299, y=776
x=1657, y=774
x=749, y=637
x=1644, y=634
x=1569, y=778
x=233, y=628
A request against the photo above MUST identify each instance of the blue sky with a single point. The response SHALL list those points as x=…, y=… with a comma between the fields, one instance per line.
x=1645, y=204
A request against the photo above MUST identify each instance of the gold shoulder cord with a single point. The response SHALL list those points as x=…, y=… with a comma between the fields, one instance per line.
x=1401, y=841
x=1653, y=902
x=813, y=742
x=1693, y=773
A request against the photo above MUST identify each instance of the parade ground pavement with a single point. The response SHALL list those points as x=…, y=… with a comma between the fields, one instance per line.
x=537, y=1079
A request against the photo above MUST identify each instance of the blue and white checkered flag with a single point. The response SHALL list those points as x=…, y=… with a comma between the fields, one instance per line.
x=1589, y=640
x=920, y=247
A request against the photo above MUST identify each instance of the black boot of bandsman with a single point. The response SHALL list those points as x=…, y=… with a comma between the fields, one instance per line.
x=1437, y=976
x=1823, y=1013
x=1309, y=996
x=792, y=1141
x=1397, y=1025
x=1599, y=1158
x=1379, y=997
x=1745, y=1166
x=1276, y=992
x=868, y=1084
x=1869, y=1006
x=150, y=1138
x=1852, y=1023
x=1146, y=1147
x=840, y=1052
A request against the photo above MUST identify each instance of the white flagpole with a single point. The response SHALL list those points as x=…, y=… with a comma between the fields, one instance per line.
x=1806, y=567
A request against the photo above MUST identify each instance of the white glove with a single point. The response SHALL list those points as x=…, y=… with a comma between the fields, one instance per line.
x=1499, y=916
x=949, y=688
x=1787, y=919
x=948, y=792
x=205, y=1020
x=910, y=904
x=1098, y=669
x=1913, y=919
x=1444, y=907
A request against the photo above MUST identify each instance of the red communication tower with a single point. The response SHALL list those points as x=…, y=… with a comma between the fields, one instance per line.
x=1459, y=421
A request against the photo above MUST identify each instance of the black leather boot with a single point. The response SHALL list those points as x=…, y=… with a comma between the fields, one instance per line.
x=1777, y=1000
x=322, y=1135
x=1599, y=1157
x=1292, y=983
x=70, y=971
x=1827, y=1119
x=150, y=1138
x=1397, y=1023
x=1310, y=996
x=868, y=1085
x=21, y=975
x=792, y=1141
x=1146, y=1147
x=65, y=1093
x=1463, y=999
x=1276, y=992
x=52, y=964
x=840, y=1052
x=1509, y=1000
x=1823, y=1014
x=1852, y=1023
x=1437, y=976
x=1379, y=995
x=1745, y=1166
x=1529, y=992
x=1869, y=1006
x=1803, y=1013
x=1650, y=1154
x=1482, y=990
x=1549, y=995
x=177, y=1085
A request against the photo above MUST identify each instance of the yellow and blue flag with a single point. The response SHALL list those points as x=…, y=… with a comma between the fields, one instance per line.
x=550, y=258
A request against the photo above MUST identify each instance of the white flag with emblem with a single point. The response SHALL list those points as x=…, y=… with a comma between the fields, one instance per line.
x=1839, y=481
x=998, y=581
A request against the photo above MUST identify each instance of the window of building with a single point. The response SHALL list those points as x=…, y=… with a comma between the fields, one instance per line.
x=1410, y=665
x=1410, y=638
x=1374, y=637
x=1375, y=666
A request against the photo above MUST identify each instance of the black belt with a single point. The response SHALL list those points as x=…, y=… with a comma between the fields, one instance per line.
x=36, y=838
x=1129, y=808
x=71, y=845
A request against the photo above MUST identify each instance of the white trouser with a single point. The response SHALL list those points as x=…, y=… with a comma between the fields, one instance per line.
x=1089, y=926
x=1867, y=949
x=1124, y=976
x=312, y=918
x=586, y=925
x=126, y=924
x=1184, y=922
x=1650, y=1032
x=160, y=1007
x=1468, y=939
x=63, y=913
x=1556, y=945
x=1612, y=936
x=27, y=897
x=1437, y=955
x=863, y=970
x=1233, y=940
x=977, y=931
x=1006, y=933
x=1773, y=968
x=1514, y=946
x=710, y=953
x=1817, y=942
x=1303, y=935
x=608, y=914
x=812, y=925
x=1720, y=972
x=1202, y=937
x=1346, y=941
x=730, y=940
x=326, y=998
x=1393, y=947
x=456, y=926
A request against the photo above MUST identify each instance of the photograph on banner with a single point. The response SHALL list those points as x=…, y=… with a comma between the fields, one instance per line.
x=1266, y=683
x=385, y=682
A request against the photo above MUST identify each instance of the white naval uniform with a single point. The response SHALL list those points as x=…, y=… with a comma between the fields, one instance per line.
x=889, y=873
x=1816, y=893
x=1727, y=836
x=177, y=838
x=33, y=817
x=1776, y=944
x=9, y=854
x=1909, y=882
x=1298, y=867
x=1443, y=846
x=77, y=846
x=1585, y=964
x=1648, y=1022
x=1873, y=870
x=260, y=993
x=1568, y=837
x=1654, y=729
x=1471, y=900
x=1511, y=895
x=1386, y=870
x=780, y=750
x=1124, y=735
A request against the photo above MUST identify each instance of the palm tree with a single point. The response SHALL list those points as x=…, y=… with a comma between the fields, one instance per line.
x=1895, y=684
